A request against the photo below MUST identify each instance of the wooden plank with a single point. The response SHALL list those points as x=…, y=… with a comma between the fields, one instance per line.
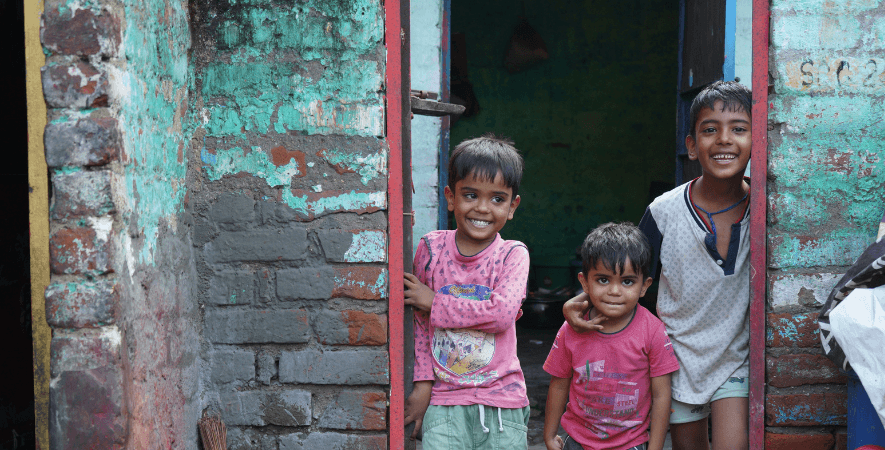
x=704, y=41
x=38, y=216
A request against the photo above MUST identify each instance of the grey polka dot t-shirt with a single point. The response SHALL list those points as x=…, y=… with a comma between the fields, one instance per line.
x=703, y=298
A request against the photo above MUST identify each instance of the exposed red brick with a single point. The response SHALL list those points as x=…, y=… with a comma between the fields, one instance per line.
x=841, y=440
x=374, y=411
x=280, y=157
x=365, y=328
x=81, y=33
x=793, y=330
x=360, y=282
x=78, y=85
x=796, y=370
x=814, y=441
x=805, y=409
x=78, y=251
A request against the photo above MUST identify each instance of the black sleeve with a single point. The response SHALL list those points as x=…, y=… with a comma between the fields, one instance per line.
x=649, y=227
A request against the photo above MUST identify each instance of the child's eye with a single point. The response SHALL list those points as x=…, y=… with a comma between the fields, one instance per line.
x=498, y=199
x=628, y=282
x=602, y=280
x=708, y=130
x=470, y=195
x=740, y=130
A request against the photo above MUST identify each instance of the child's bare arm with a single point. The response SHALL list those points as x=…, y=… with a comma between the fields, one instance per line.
x=660, y=411
x=574, y=311
x=417, y=293
x=557, y=397
x=416, y=405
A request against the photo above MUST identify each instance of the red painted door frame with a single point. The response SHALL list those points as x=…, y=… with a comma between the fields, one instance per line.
x=394, y=123
x=758, y=234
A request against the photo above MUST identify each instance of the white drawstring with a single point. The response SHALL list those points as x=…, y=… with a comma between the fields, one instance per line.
x=500, y=422
x=482, y=418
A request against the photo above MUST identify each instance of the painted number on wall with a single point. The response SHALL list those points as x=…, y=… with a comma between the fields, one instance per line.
x=863, y=75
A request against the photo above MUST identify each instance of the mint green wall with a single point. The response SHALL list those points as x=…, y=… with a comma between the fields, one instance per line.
x=595, y=122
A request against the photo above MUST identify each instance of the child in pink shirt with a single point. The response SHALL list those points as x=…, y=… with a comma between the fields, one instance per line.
x=467, y=290
x=616, y=379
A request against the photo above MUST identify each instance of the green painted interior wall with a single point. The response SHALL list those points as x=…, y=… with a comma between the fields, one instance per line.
x=595, y=122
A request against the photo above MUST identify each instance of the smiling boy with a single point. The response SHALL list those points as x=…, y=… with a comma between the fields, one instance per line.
x=699, y=232
x=467, y=290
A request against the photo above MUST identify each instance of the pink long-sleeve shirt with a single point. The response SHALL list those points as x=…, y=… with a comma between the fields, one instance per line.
x=467, y=343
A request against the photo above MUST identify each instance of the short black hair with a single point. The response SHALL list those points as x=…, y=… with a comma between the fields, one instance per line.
x=733, y=95
x=612, y=244
x=485, y=156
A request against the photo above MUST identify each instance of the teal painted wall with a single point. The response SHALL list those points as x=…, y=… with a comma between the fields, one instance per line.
x=826, y=180
x=595, y=122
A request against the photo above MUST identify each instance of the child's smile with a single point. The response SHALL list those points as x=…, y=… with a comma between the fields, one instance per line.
x=481, y=208
x=722, y=141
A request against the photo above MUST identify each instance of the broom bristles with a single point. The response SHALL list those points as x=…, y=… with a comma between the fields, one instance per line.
x=213, y=433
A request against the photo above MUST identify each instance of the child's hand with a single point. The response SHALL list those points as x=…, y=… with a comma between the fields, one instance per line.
x=555, y=443
x=574, y=311
x=417, y=293
x=416, y=405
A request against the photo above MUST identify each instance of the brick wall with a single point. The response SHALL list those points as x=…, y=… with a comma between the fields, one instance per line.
x=826, y=178
x=125, y=346
x=290, y=238
x=82, y=142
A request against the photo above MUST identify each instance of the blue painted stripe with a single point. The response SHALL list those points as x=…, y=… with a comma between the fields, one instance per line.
x=730, y=30
x=444, y=141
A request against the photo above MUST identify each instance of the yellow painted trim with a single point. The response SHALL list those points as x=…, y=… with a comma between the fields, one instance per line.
x=38, y=216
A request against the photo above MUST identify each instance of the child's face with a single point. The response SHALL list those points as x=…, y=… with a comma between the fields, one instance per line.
x=481, y=209
x=722, y=142
x=614, y=295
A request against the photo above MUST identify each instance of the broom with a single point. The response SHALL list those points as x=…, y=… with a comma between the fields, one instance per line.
x=213, y=433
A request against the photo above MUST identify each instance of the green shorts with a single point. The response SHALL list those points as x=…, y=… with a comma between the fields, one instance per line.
x=475, y=427
x=685, y=412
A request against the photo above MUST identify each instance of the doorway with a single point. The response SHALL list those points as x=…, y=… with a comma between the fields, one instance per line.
x=591, y=105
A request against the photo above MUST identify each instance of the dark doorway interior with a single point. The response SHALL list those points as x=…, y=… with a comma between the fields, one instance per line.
x=17, y=395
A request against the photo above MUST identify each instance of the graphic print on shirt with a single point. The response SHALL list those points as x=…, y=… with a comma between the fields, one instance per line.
x=462, y=351
x=610, y=400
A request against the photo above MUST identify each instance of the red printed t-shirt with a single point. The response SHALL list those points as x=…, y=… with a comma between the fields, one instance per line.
x=610, y=389
x=467, y=344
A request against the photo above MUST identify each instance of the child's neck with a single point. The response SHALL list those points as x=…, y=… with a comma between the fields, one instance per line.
x=613, y=325
x=717, y=192
x=468, y=248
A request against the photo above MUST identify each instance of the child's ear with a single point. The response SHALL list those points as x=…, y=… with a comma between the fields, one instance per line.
x=583, y=280
x=513, y=205
x=450, y=198
x=690, y=145
x=645, y=285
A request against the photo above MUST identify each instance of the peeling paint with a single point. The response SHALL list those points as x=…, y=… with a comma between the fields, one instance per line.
x=310, y=204
x=367, y=166
x=367, y=246
x=255, y=162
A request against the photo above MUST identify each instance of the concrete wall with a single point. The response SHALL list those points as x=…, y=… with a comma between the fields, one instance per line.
x=826, y=179
x=290, y=239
